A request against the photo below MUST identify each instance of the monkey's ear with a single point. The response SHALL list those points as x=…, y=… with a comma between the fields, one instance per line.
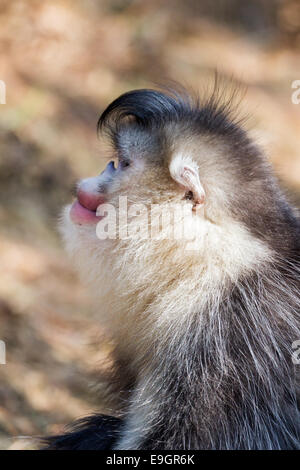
x=185, y=172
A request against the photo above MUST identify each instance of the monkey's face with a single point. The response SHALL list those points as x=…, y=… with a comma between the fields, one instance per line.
x=149, y=200
x=170, y=212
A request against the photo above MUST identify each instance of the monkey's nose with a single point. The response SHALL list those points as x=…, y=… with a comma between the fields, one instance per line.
x=88, y=194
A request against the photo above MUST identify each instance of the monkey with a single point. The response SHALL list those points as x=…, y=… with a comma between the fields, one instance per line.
x=203, y=326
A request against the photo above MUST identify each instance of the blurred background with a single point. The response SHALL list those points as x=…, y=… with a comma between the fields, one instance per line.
x=62, y=62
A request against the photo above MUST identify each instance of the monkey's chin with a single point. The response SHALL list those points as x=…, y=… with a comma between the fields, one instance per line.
x=80, y=215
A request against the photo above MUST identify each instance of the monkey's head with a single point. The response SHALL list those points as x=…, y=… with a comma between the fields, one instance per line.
x=191, y=166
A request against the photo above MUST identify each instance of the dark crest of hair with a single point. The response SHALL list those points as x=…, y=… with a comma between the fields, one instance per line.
x=153, y=109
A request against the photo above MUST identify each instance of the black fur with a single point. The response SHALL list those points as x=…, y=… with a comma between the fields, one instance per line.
x=238, y=389
x=98, y=432
x=152, y=110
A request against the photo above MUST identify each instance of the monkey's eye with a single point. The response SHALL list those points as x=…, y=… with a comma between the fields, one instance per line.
x=124, y=163
x=189, y=195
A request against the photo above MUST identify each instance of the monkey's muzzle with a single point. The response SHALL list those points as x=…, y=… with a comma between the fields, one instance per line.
x=90, y=196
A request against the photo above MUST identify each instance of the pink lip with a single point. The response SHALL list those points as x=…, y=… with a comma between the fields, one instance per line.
x=89, y=200
x=81, y=215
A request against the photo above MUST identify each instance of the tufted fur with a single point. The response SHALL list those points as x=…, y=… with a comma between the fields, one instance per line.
x=203, y=335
